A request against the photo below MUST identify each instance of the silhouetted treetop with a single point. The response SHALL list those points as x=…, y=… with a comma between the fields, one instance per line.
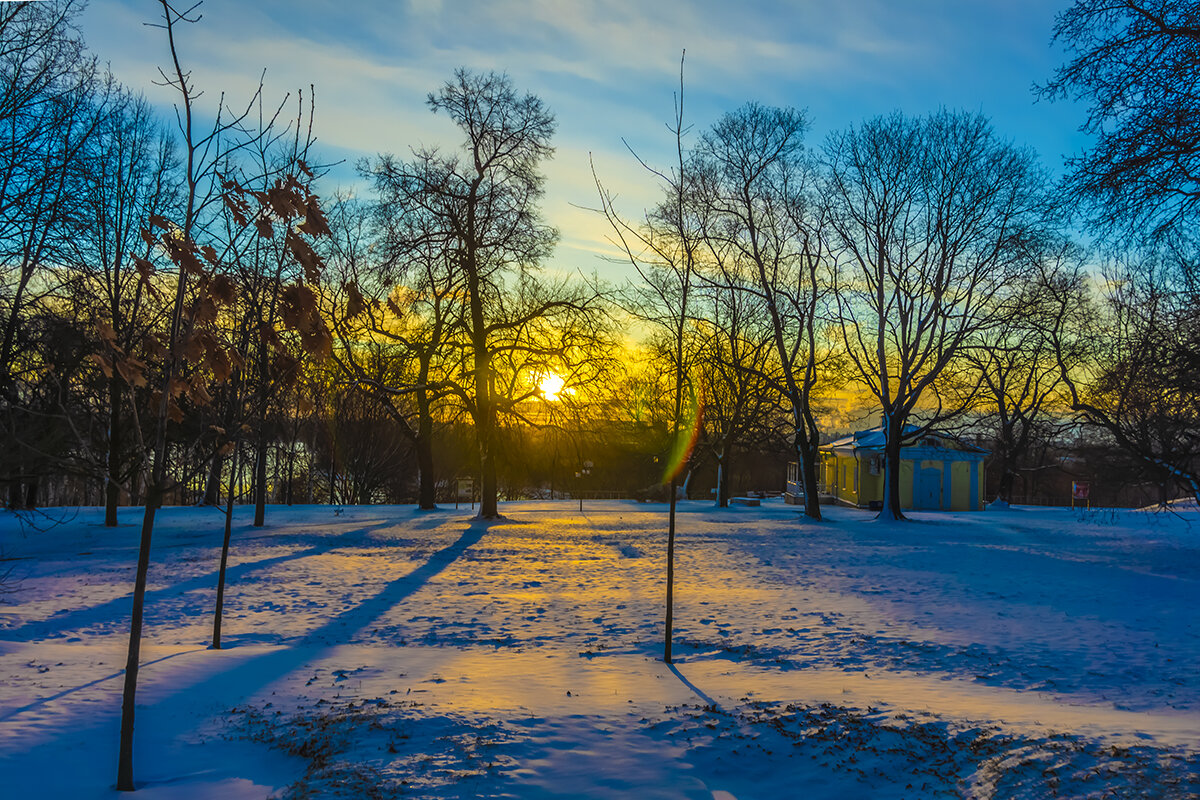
x=1136, y=63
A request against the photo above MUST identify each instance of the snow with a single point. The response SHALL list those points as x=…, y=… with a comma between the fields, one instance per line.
x=384, y=651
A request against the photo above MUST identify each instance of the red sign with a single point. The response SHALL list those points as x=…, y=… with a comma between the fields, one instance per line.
x=1079, y=490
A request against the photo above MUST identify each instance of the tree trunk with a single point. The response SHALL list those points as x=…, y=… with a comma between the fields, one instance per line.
x=260, y=482
x=670, y=615
x=1007, y=479
x=112, y=485
x=132, y=661
x=135, y=484
x=290, y=472
x=309, y=475
x=808, y=475
x=893, y=426
x=1003, y=454
x=488, y=506
x=426, y=492
x=806, y=459
x=14, y=491
x=216, y=640
x=427, y=497
x=212, y=483
x=332, y=477
x=722, y=483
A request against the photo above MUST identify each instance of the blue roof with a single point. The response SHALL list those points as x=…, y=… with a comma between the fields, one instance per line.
x=874, y=439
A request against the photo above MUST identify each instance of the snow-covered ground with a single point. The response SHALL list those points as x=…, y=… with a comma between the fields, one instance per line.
x=385, y=652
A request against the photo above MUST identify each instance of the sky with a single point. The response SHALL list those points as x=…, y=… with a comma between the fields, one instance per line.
x=609, y=71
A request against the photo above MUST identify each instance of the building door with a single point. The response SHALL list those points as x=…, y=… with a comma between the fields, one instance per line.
x=927, y=494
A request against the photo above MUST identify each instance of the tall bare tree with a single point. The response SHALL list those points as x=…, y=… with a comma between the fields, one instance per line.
x=765, y=237
x=50, y=106
x=738, y=370
x=1138, y=185
x=1022, y=360
x=480, y=208
x=934, y=219
x=396, y=315
x=664, y=248
x=1140, y=381
x=129, y=174
x=190, y=355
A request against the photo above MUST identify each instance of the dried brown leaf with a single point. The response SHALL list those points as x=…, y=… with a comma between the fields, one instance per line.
x=205, y=310
x=219, y=363
x=307, y=257
x=284, y=203
x=103, y=362
x=355, y=303
x=154, y=346
x=265, y=229
x=198, y=391
x=314, y=223
x=222, y=289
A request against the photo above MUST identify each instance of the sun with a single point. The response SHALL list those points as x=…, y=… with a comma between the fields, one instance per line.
x=550, y=386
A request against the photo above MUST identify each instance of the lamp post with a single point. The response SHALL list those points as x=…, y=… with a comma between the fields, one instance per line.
x=584, y=471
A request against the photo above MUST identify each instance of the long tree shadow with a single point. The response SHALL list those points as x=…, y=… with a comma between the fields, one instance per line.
x=244, y=675
x=229, y=677
x=257, y=672
x=41, y=701
x=708, y=700
x=254, y=673
x=116, y=609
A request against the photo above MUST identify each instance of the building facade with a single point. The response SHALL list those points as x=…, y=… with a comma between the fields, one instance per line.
x=937, y=472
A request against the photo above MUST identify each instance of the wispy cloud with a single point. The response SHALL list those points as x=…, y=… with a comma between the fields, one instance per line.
x=608, y=69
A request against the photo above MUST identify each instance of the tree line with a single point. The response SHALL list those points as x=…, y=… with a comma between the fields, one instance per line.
x=921, y=262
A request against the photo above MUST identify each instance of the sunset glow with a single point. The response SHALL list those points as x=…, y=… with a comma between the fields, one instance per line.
x=550, y=386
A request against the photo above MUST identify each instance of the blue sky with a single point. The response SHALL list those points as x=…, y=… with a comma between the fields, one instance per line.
x=608, y=70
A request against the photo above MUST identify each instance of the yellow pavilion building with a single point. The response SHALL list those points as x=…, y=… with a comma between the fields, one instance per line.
x=937, y=472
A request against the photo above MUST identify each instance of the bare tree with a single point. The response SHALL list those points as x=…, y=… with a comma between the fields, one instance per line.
x=1022, y=361
x=189, y=355
x=396, y=316
x=479, y=208
x=765, y=238
x=279, y=277
x=933, y=220
x=1135, y=62
x=1141, y=380
x=129, y=173
x=50, y=106
x=739, y=373
x=664, y=249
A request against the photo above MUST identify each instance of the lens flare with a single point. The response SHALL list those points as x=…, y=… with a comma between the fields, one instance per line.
x=691, y=420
